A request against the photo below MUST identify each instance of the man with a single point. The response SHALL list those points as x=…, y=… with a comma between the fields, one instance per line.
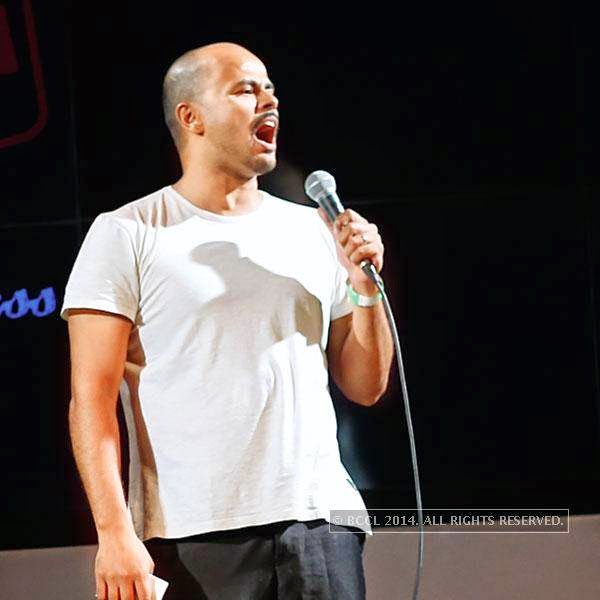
x=215, y=309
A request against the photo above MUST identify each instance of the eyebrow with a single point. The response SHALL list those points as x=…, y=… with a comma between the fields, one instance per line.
x=248, y=81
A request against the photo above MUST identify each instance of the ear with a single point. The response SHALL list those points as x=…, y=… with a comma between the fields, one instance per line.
x=189, y=118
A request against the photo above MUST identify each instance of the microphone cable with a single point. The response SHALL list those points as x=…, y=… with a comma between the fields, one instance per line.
x=370, y=270
x=320, y=187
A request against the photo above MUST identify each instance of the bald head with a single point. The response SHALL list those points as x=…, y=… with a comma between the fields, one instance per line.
x=188, y=77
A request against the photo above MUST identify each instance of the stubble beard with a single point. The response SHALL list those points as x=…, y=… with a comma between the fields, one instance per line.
x=268, y=164
x=241, y=162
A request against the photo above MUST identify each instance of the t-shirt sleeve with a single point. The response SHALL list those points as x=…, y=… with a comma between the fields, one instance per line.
x=105, y=274
x=340, y=305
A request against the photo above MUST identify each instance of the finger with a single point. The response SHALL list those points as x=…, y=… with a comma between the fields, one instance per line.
x=354, y=216
x=144, y=588
x=339, y=223
x=126, y=590
x=353, y=228
x=349, y=216
x=101, y=593
x=343, y=219
x=353, y=242
x=360, y=239
x=113, y=590
x=372, y=252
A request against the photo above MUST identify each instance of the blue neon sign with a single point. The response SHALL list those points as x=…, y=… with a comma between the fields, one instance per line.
x=20, y=304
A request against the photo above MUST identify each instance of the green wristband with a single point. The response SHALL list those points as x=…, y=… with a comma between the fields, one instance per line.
x=360, y=300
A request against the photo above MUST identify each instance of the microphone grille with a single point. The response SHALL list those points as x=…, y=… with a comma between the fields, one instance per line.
x=319, y=183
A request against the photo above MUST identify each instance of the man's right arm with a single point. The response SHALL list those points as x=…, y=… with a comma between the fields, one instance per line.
x=98, y=346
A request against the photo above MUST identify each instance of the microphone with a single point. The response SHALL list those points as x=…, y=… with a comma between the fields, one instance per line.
x=320, y=188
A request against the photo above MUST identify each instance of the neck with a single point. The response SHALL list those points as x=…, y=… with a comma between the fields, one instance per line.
x=219, y=192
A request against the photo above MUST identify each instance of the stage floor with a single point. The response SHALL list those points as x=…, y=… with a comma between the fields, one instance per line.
x=458, y=566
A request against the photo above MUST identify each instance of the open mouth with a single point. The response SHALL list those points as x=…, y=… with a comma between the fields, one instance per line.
x=266, y=132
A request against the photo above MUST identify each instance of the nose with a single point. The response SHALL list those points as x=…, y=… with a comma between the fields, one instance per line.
x=268, y=100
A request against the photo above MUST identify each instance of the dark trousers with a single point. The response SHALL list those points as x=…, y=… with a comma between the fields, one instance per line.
x=289, y=560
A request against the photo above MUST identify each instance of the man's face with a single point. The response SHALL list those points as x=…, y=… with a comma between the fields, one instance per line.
x=240, y=115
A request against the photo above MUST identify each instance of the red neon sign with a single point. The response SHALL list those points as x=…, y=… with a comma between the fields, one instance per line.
x=9, y=67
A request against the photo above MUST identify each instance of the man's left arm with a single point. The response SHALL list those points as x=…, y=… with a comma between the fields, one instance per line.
x=360, y=347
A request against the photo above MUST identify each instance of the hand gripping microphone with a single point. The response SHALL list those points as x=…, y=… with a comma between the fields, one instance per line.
x=320, y=187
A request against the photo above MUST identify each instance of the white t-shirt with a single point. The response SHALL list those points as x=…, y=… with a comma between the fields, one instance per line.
x=225, y=392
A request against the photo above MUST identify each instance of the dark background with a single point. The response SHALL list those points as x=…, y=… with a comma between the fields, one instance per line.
x=463, y=136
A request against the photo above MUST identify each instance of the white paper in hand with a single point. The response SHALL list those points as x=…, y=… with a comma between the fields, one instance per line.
x=160, y=587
